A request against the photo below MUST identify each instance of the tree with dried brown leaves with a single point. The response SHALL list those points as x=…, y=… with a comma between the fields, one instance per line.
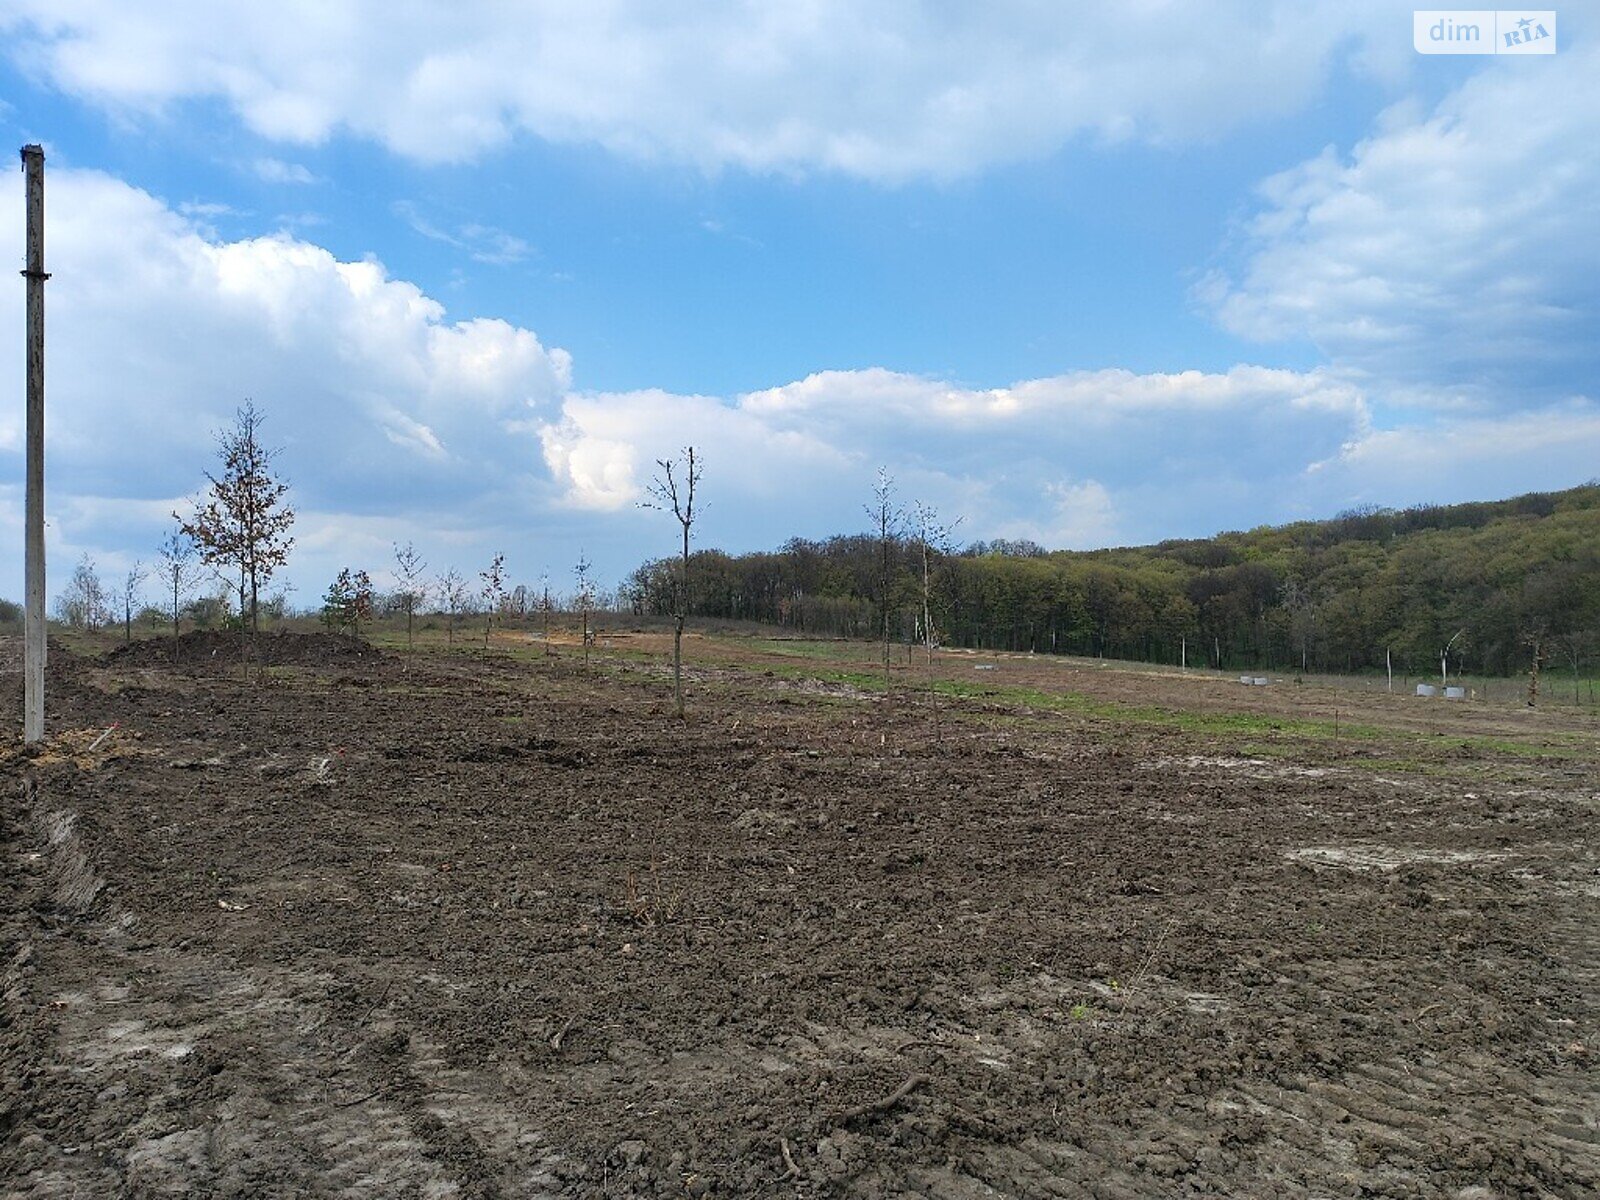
x=349, y=601
x=242, y=525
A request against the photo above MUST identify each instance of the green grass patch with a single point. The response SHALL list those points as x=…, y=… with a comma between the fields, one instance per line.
x=826, y=651
x=1224, y=723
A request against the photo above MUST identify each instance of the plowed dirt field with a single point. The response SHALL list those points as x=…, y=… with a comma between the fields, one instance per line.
x=499, y=925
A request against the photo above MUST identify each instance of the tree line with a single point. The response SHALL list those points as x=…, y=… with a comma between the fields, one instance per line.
x=1492, y=586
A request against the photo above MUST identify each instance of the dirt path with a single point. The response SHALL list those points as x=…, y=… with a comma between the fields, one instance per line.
x=503, y=929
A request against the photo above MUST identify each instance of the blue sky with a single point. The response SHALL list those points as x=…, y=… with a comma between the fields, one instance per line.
x=1091, y=279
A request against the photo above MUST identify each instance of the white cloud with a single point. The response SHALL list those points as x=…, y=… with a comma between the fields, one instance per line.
x=467, y=437
x=1071, y=515
x=275, y=170
x=1453, y=257
x=884, y=91
x=482, y=243
x=157, y=332
x=1072, y=460
x=1483, y=457
x=202, y=210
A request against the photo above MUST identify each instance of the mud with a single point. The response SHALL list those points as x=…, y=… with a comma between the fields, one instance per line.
x=502, y=927
x=201, y=649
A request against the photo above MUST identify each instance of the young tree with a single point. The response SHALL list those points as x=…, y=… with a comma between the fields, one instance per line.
x=337, y=601
x=451, y=589
x=545, y=608
x=1535, y=638
x=209, y=612
x=361, y=597
x=413, y=591
x=584, y=599
x=886, y=524
x=673, y=490
x=129, y=595
x=348, y=601
x=931, y=539
x=243, y=525
x=84, y=603
x=1573, y=647
x=178, y=573
x=494, y=592
x=276, y=606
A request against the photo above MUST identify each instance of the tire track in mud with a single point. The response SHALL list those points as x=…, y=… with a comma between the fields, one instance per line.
x=1500, y=1124
x=158, y=1036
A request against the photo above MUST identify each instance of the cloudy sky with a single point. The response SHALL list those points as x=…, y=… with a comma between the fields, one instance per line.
x=1102, y=277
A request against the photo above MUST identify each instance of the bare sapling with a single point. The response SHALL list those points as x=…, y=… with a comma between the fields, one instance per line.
x=130, y=596
x=584, y=599
x=1572, y=649
x=931, y=538
x=673, y=490
x=85, y=604
x=544, y=609
x=494, y=593
x=451, y=589
x=178, y=572
x=413, y=591
x=886, y=526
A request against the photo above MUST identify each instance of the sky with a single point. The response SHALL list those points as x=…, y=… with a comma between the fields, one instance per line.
x=1093, y=278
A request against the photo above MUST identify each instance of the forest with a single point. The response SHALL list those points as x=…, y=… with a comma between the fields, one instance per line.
x=1490, y=586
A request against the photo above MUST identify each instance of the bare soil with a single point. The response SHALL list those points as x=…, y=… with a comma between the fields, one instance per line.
x=495, y=925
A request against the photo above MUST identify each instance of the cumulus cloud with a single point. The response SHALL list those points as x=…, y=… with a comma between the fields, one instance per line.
x=399, y=423
x=1451, y=258
x=157, y=332
x=1481, y=457
x=1070, y=515
x=1077, y=459
x=878, y=91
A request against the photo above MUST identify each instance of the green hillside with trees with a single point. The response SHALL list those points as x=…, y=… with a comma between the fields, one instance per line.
x=1496, y=582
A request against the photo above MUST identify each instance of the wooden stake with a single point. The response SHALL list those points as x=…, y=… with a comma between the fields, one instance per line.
x=34, y=648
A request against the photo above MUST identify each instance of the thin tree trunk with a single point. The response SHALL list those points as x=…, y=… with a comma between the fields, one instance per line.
x=682, y=613
x=677, y=665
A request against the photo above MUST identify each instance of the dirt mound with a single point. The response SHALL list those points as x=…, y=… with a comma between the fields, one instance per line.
x=202, y=647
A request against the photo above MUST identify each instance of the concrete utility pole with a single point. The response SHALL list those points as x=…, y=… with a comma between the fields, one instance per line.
x=33, y=662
